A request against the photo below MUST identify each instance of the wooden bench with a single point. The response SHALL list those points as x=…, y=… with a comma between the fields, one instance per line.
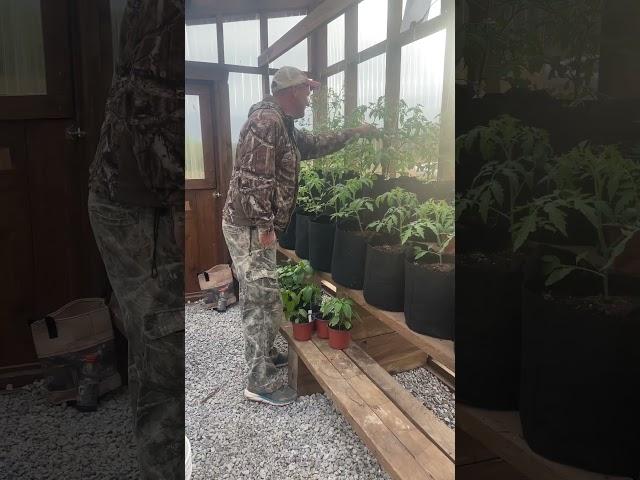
x=501, y=433
x=407, y=439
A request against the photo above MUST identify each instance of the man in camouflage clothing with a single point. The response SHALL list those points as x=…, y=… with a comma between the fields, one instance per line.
x=136, y=207
x=260, y=201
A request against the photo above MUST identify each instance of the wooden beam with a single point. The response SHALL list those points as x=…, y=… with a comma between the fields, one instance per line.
x=321, y=15
x=220, y=34
x=425, y=29
x=335, y=68
x=264, y=44
x=202, y=9
x=351, y=65
x=206, y=71
x=318, y=67
x=393, y=64
x=446, y=157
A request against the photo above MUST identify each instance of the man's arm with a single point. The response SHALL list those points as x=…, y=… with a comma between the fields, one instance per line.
x=319, y=145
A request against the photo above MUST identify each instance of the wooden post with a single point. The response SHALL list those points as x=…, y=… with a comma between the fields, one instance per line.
x=264, y=44
x=220, y=34
x=318, y=67
x=446, y=159
x=351, y=61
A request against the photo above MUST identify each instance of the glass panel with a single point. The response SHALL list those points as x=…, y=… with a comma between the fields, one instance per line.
x=335, y=40
x=201, y=43
x=194, y=153
x=117, y=12
x=335, y=97
x=371, y=81
x=245, y=89
x=242, y=42
x=372, y=23
x=422, y=73
x=22, y=67
x=434, y=8
x=295, y=57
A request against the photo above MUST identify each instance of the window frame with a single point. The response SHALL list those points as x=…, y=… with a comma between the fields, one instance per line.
x=58, y=101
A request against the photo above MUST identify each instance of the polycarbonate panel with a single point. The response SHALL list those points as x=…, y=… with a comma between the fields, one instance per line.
x=335, y=86
x=297, y=56
x=371, y=81
x=372, y=23
x=335, y=40
x=241, y=42
x=245, y=89
x=422, y=73
x=201, y=43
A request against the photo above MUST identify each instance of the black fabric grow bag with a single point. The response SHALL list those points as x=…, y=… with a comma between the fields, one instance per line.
x=287, y=239
x=580, y=378
x=384, y=278
x=488, y=331
x=321, y=235
x=302, y=235
x=429, y=300
x=349, y=256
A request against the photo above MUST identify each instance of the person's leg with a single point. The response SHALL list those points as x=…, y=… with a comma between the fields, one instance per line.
x=153, y=311
x=262, y=313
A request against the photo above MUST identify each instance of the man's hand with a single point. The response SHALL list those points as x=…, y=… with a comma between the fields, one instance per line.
x=267, y=238
x=366, y=130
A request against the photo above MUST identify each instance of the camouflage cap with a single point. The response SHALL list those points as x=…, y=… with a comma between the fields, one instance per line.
x=287, y=77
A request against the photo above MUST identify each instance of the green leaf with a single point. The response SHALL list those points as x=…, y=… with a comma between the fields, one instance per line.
x=527, y=226
x=558, y=274
x=498, y=192
x=557, y=218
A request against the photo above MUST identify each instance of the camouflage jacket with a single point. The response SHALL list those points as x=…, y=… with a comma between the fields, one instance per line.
x=140, y=155
x=264, y=183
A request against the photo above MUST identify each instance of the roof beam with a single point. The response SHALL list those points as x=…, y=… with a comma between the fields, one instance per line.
x=320, y=15
x=212, y=8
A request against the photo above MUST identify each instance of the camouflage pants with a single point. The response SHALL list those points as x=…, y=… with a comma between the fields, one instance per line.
x=153, y=313
x=255, y=267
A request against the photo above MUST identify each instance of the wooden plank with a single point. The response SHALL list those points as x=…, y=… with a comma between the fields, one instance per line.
x=393, y=65
x=300, y=378
x=389, y=451
x=393, y=352
x=469, y=450
x=495, y=469
x=501, y=433
x=422, y=417
x=321, y=15
x=428, y=455
x=440, y=350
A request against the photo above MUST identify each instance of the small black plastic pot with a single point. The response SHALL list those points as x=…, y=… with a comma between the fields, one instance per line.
x=349, y=256
x=321, y=235
x=429, y=298
x=287, y=239
x=580, y=378
x=384, y=276
x=302, y=235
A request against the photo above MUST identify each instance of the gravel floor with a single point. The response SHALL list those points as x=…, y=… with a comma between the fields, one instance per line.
x=236, y=439
x=44, y=441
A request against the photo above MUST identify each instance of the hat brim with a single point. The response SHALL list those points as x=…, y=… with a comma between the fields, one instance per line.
x=313, y=84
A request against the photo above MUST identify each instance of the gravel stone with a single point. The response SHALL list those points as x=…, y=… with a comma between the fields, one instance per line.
x=308, y=439
x=44, y=441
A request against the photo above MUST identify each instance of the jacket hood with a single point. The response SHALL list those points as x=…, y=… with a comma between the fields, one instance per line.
x=267, y=102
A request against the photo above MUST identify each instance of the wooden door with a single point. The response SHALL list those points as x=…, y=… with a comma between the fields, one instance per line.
x=50, y=113
x=205, y=183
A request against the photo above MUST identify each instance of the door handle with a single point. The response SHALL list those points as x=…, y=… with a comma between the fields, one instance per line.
x=217, y=194
x=73, y=132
